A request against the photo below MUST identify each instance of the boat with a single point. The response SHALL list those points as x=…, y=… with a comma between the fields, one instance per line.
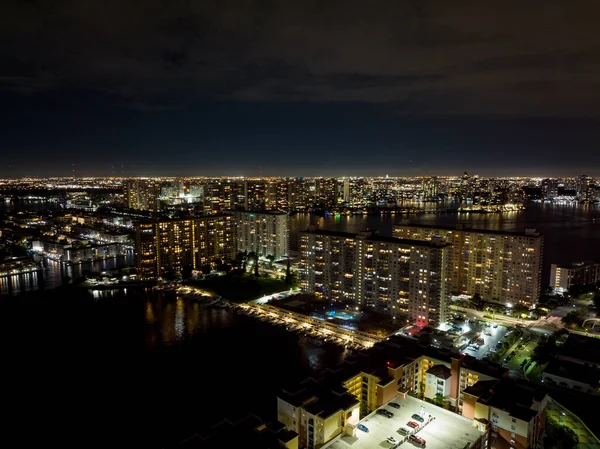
x=210, y=303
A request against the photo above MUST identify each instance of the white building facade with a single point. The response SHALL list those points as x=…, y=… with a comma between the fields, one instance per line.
x=265, y=233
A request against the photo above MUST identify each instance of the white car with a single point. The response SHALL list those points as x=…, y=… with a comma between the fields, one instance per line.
x=392, y=440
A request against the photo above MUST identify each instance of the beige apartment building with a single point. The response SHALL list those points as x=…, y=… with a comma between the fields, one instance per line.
x=334, y=400
x=515, y=411
x=500, y=266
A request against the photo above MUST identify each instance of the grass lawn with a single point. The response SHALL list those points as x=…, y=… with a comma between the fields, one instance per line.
x=241, y=288
x=586, y=296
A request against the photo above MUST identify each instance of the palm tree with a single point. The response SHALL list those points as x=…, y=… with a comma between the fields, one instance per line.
x=288, y=272
x=271, y=259
x=439, y=399
x=254, y=257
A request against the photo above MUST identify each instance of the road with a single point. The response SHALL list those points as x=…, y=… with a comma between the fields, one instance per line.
x=541, y=326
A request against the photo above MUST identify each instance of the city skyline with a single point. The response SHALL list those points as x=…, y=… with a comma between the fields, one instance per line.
x=398, y=89
x=383, y=218
x=117, y=177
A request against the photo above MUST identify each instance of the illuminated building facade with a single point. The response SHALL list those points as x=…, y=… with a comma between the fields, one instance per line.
x=164, y=248
x=401, y=277
x=430, y=188
x=353, y=192
x=224, y=194
x=328, y=265
x=265, y=233
x=564, y=277
x=278, y=194
x=500, y=266
x=300, y=194
x=256, y=194
x=142, y=194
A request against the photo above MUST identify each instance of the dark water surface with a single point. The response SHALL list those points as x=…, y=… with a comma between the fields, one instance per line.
x=139, y=368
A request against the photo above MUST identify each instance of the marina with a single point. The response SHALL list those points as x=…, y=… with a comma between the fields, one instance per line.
x=316, y=327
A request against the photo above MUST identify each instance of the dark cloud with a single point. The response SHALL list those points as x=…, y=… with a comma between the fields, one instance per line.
x=454, y=57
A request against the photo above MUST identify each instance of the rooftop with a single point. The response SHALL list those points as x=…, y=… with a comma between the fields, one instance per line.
x=247, y=428
x=176, y=219
x=318, y=397
x=525, y=233
x=575, y=371
x=447, y=431
x=582, y=264
x=586, y=349
x=440, y=371
x=377, y=238
x=515, y=397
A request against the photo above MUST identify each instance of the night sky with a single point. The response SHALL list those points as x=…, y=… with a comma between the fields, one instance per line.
x=300, y=88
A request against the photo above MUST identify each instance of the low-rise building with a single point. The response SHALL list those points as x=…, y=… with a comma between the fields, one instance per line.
x=246, y=430
x=78, y=252
x=392, y=368
x=581, y=350
x=572, y=375
x=515, y=412
x=102, y=235
x=18, y=265
x=317, y=413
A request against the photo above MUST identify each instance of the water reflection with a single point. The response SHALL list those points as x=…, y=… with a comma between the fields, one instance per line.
x=53, y=274
x=98, y=295
x=19, y=283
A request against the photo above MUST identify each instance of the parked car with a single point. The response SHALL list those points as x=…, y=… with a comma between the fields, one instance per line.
x=363, y=428
x=392, y=440
x=418, y=418
x=404, y=430
x=412, y=424
x=417, y=440
x=385, y=412
x=394, y=405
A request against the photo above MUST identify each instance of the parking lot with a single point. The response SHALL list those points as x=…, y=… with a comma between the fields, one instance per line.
x=491, y=336
x=446, y=430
